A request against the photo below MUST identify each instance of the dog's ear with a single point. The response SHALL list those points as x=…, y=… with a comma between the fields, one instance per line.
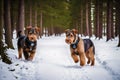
x=66, y=31
x=28, y=28
x=74, y=31
x=37, y=29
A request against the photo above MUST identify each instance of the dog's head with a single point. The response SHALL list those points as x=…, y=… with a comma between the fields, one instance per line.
x=32, y=33
x=70, y=35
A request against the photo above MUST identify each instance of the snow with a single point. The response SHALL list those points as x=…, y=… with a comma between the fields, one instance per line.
x=53, y=62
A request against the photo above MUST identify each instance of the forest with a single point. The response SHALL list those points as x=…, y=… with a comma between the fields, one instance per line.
x=89, y=17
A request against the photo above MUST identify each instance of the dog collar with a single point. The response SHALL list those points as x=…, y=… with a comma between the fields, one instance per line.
x=30, y=44
x=74, y=45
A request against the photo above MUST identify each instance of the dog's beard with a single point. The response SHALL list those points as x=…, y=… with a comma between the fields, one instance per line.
x=69, y=41
x=32, y=38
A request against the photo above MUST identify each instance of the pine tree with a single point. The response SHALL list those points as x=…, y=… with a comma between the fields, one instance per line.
x=3, y=54
x=109, y=19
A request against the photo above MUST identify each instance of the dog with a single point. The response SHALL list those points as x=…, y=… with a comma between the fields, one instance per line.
x=27, y=44
x=80, y=48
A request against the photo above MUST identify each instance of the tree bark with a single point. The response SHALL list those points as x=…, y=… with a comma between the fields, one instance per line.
x=81, y=25
x=41, y=23
x=21, y=17
x=87, y=18
x=35, y=18
x=3, y=54
x=100, y=19
x=96, y=18
x=84, y=17
x=1, y=27
x=30, y=14
x=117, y=23
x=7, y=24
x=112, y=27
x=109, y=20
x=117, y=20
x=13, y=16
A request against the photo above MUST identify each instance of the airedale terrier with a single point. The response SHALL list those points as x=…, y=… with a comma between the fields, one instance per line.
x=80, y=47
x=27, y=44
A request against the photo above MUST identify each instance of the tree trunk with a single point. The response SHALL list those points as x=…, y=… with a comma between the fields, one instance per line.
x=3, y=54
x=84, y=17
x=119, y=35
x=81, y=25
x=104, y=20
x=7, y=24
x=1, y=27
x=100, y=19
x=109, y=20
x=96, y=18
x=30, y=14
x=117, y=23
x=112, y=27
x=13, y=16
x=89, y=18
x=21, y=16
x=87, y=22
x=41, y=23
x=35, y=18
x=117, y=16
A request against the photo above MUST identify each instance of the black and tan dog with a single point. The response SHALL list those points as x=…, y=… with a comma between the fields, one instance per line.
x=80, y=48
x=27, y=44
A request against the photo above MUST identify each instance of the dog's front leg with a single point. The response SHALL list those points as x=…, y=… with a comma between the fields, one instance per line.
x=32, y=54
x=75, y=57
x=82, y=58
x=20, y=51
x=26, y=54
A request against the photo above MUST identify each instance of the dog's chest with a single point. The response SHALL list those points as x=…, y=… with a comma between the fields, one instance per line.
x=30, y=45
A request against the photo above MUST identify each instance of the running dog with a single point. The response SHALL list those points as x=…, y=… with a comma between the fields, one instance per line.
x=27, y=44
x=80, y=48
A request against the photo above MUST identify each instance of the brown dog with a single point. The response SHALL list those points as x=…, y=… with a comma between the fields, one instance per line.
x=27, y=44
x=80, y=48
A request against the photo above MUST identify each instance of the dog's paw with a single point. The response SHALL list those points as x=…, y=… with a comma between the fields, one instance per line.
x=76, y=61
x=82, y=64
x=92, y=64
x=88, y=62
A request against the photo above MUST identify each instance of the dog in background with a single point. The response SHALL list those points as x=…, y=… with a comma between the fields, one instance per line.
x=80, y=48
x=27, y=44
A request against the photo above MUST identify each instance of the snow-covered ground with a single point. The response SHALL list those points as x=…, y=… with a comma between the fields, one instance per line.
x=53, y=62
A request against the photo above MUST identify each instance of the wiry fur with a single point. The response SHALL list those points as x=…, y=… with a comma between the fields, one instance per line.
x=85, y=48
x=27, y=44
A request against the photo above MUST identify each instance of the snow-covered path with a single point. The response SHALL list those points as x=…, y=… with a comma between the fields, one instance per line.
x=53, y=62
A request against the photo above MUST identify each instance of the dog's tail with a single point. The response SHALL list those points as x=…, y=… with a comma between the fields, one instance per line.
x=19, y=34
